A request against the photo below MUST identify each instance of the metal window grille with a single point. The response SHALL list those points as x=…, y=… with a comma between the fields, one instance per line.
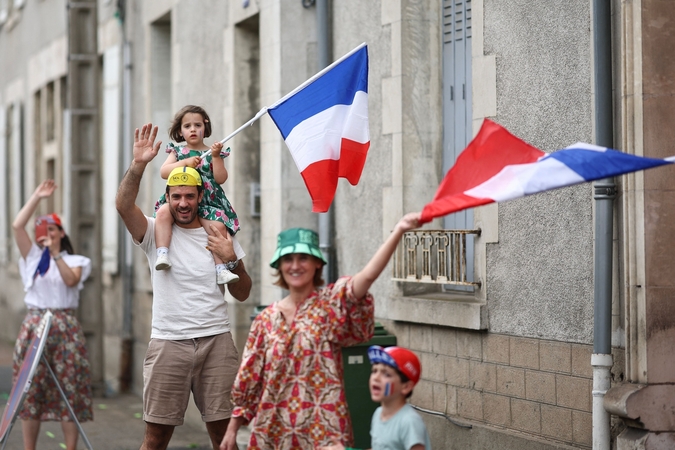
x=433, y=256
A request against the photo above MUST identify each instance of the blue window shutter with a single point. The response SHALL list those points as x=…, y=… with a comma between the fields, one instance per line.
x=457, y=123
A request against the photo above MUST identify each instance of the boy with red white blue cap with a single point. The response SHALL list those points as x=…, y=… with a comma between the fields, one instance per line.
x=395, y=424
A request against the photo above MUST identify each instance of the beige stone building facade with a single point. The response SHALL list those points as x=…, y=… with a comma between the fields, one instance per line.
x=507, y=349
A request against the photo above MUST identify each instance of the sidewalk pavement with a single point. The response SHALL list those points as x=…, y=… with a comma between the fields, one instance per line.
x=117, y=424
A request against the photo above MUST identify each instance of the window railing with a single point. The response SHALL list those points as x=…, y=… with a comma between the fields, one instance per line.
x=433, y=256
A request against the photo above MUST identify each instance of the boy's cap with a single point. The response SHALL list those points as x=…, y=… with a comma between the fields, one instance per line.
x=41, y=224
x=184, y=176
x=297, y=240
x=399, y=358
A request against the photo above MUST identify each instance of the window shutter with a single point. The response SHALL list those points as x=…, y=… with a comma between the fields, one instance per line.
x=457, y=114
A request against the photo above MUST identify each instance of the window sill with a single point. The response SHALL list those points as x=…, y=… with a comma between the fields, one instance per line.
x=447, y=309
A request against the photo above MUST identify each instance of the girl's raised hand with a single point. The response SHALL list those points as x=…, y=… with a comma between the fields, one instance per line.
x=45, y=189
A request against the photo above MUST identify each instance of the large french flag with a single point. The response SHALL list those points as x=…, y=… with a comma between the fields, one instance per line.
x=497, y=166
x=325, y=126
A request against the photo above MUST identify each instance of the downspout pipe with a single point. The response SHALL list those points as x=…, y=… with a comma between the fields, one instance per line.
x=126, y=254
x=323, y=32
x=604, y=194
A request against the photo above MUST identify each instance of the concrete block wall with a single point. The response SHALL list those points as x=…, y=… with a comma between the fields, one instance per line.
x=529, y=386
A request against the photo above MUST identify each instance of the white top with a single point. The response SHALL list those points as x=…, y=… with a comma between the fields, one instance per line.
x=50, y=291
x=187, y=301
x=402, y=431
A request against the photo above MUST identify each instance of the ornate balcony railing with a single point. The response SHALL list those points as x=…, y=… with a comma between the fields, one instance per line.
x=433, y=256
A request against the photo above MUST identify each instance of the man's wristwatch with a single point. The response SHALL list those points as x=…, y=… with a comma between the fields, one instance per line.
x=231, y=265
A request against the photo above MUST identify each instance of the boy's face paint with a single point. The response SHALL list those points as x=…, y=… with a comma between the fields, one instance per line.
x=388, y=389
x=383, y=382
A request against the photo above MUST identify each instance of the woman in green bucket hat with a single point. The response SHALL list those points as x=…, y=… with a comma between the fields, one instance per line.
x=289, y=387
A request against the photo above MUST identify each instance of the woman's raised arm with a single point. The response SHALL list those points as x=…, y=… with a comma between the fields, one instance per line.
x=362, y=281
x=23, y=241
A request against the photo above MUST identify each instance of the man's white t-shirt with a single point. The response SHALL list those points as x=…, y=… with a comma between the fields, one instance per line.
x=187, y=301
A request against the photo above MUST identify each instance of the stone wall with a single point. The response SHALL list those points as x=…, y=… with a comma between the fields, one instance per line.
x=540, y=389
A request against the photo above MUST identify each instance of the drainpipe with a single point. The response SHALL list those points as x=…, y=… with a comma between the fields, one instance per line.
x=604, y=193
x=126, y=355
x=323, y=32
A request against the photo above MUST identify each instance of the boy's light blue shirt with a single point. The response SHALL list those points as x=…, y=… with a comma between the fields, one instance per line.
x=401, y=432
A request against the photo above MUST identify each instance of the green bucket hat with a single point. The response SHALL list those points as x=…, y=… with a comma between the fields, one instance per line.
x=297, y=240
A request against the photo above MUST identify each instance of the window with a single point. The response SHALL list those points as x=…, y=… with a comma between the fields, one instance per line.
x=457, y=114
x=49, y=111
x=160, y=91
x=110, y=143
x=15, y=165
x=435, y=268
x=4, y=184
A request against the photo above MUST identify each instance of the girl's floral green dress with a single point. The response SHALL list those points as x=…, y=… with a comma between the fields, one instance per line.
x=214, y=204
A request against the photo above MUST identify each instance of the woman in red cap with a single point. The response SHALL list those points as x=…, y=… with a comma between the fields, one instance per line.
x=290, y=382
x=52, y=277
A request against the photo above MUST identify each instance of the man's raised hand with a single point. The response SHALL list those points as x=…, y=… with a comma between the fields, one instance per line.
x=145, y=148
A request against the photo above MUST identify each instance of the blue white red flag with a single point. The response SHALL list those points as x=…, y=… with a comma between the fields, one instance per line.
x=325, y=126
x=497, y=166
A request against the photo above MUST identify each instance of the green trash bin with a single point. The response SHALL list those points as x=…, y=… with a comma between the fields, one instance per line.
x=357, y=373
x=257, y=310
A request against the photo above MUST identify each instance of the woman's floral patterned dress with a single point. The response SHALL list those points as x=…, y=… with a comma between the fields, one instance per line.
x=290, y=382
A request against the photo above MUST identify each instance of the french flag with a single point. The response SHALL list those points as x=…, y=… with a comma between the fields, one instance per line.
x=497, y=166
x=325, y=126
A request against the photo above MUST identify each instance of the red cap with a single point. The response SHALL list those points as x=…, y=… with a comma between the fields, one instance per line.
x=42, y=222
x=399, y=358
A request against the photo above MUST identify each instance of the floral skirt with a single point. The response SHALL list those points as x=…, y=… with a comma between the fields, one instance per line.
x=66, y=353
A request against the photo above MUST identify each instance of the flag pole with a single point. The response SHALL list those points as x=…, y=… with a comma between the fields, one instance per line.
x=263, y=111
x=258, y=115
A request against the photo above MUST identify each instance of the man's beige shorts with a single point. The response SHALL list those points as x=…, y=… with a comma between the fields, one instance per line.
x=205, y=366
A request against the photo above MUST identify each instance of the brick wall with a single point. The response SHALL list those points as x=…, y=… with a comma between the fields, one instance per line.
x=534, y=386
